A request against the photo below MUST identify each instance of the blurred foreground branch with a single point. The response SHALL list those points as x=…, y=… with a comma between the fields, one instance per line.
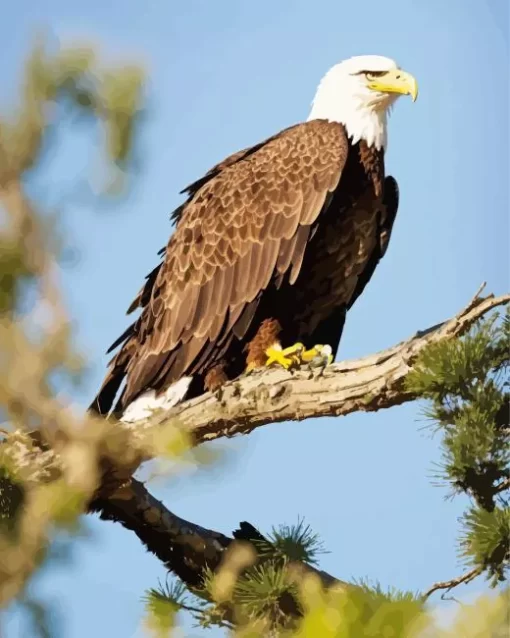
x=366, y=384
x=37, y=352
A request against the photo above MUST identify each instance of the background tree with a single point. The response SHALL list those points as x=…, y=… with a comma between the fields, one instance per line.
x=51, y=474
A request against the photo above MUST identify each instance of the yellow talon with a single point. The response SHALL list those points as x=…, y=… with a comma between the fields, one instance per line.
x=309, y=355
x=294, y=351
x=296, y=355
x=319, y=355
x=286, y=357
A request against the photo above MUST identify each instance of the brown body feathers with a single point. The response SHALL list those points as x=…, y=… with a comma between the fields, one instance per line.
x=289, y=230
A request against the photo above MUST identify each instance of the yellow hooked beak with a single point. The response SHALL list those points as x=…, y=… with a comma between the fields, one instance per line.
x=396, y=81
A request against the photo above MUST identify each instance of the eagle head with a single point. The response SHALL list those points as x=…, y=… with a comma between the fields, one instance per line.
x=359, y=93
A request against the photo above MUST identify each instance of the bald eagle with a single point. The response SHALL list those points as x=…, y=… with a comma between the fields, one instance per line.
x=271, y=248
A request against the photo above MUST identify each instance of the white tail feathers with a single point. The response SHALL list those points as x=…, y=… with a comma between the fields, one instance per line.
x=142, y=407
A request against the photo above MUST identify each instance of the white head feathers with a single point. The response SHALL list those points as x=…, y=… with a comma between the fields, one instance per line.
x=350, y=94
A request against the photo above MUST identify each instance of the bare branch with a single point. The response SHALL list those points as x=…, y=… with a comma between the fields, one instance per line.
x=503, y=486
x=454, y=582
x=368, y=384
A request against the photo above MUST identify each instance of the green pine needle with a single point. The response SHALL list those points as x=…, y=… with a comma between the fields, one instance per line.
x=486, y=541
x=297, y=542
x=207, y=587
x=375, y=590
x=260, y=592
x=465, y=382
x=166, y=600
x=456, y=366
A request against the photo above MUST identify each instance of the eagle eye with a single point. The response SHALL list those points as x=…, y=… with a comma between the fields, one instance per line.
x=371, y=75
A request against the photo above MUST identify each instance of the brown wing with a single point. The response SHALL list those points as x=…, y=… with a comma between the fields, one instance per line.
x=247, y=224
x=218, y=168
x=177, y=213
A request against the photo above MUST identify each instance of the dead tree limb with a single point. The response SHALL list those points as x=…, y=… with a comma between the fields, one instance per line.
x=361, y=385
x=368, y=384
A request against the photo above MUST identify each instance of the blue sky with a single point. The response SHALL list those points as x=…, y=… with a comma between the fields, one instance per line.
x=225, y=75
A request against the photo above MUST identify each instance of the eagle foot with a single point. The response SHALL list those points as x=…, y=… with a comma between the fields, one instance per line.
x=319, y=356
x=285, y=357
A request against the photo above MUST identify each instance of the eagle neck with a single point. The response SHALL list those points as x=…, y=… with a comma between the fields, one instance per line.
x=362, y=113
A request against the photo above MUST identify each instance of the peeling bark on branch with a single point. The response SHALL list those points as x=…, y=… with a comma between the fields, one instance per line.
x=362, y=385
x=368, y=384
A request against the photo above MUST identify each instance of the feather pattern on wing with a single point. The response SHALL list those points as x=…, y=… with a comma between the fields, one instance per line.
x=246, y=222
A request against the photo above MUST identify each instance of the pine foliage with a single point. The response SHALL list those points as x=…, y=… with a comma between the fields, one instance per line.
x=464, y=382
x=59, y=85
x=466, y=388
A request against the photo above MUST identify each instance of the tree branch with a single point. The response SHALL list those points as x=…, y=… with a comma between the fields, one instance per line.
x=368, y=384
x=503, y=486
x=185, y=548
x=454, y=582
x=274, y=395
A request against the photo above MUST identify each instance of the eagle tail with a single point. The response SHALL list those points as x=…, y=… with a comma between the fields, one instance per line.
x=104, y=399
x=148, y=402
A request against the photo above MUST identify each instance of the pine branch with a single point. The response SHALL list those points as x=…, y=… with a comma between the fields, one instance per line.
x=367, y=384
x=187, y=549
x=454, y=582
